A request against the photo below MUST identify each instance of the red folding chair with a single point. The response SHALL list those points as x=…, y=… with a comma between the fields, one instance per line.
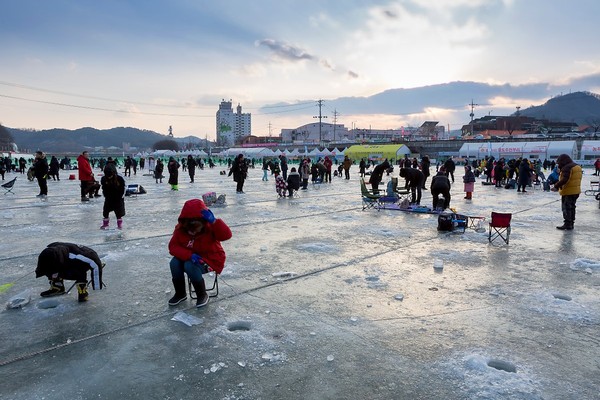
x=499, y=227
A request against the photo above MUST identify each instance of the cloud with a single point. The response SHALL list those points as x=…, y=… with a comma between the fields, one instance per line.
x=285, y=51
x=390, y=14
x=289, y=53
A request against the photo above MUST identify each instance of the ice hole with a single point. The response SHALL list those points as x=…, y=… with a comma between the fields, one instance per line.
x=561, y=296
x=239, y=326
x=502, y=365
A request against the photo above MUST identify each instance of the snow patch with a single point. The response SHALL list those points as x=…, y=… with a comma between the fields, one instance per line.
x=317, y=248
x=585, y=264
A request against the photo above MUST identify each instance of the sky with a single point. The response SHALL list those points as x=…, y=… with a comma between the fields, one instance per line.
x=153, y=64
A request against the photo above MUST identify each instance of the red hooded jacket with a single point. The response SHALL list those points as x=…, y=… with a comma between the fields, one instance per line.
x=85, y=169
x=207, y=243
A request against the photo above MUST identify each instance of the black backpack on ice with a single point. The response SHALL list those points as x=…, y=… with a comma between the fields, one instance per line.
x=445, y=222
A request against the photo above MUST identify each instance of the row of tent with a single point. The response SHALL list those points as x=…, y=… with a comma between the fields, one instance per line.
x=248, y=152
x=356, y=152
x=590, y=150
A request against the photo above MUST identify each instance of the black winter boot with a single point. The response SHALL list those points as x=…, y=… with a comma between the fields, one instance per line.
x=202, y=296
x=180, y=293
x=82, y=292
x=57, y=287
x=565, y=227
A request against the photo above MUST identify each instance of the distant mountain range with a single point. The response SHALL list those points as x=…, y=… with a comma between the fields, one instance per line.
x=75, y=141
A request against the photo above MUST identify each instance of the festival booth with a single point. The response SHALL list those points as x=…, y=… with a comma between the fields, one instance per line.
x=379, y=152
x=590, y=150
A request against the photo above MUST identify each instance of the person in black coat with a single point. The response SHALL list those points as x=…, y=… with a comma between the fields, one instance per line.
x=425, y=165
x=40, y=171
x=239, y=170
x=293, y=181
x=158, y=170
x=414, y=181
x=191, y=165
x=173, y=168
x=61, y=260
x=377, y=175
x=524, y=175
x=499, y=173
x=113, y=188
x=54, y=169
x=450, y=167
x=440, y=184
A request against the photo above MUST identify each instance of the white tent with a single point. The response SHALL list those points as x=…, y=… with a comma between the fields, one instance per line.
x=164, y=153
x=590, y=150
x=508, y=150
x=249, y=152
x=535, y=150
x=314, y=152
x=555, y=149
x=295, y=153
x=475, y=150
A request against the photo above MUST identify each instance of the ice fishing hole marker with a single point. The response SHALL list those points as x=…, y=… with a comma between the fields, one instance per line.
x=239, y=326
x=502, y=365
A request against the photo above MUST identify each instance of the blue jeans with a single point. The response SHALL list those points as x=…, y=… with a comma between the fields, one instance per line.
x=194, y=271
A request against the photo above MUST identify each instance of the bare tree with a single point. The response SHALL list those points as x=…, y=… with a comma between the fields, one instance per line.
x=166, y=144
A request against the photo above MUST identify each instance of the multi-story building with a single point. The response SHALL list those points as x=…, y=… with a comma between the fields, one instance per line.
x=232, y=126
x=315, y=133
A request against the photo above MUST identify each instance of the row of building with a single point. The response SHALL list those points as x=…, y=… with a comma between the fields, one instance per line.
x=235, y=128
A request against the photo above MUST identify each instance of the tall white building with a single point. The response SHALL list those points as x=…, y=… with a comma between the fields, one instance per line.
x=232, y=126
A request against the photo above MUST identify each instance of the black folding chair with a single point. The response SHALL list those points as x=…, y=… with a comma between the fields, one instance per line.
x=8, y=186
x=212, y=291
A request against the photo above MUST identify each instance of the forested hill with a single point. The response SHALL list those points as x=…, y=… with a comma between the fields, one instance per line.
x=74, y=141
x=582, y=108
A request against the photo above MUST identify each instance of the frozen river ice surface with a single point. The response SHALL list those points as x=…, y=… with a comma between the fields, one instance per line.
x=318, y=299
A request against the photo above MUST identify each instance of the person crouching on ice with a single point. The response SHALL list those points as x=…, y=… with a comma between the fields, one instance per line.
x=196, y=250
x=60, y=261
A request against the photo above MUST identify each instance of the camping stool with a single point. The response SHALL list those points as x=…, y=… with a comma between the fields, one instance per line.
x=476, y=222
x=212, y=292
x=88, y=283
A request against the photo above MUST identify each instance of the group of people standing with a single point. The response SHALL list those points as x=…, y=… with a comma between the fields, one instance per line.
x=567, y=182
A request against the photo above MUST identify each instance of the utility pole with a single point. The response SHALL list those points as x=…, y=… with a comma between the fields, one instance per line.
x=320, y=116
x=335, y=114
x=472, y=114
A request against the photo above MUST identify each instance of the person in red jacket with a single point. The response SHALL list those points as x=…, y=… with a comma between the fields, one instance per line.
x=85, y=174
x=196, y=249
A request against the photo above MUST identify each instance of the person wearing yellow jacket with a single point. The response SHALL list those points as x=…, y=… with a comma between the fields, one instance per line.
x=569, y=188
